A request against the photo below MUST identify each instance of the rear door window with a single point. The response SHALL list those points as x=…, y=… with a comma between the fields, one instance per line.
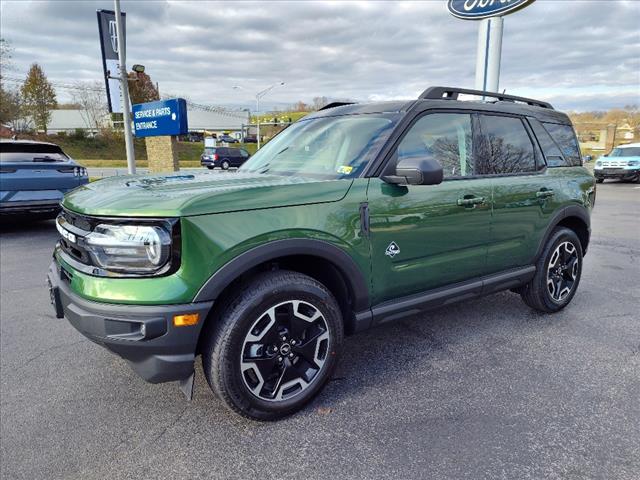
x=565, y=138
x=503, y=146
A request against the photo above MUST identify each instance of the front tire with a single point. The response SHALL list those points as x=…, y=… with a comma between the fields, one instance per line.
x=558, y=272
x=599, y=180
x=274, y=345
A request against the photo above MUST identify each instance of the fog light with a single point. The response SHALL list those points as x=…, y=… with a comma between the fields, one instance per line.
x=186, y=320
x=143, y=330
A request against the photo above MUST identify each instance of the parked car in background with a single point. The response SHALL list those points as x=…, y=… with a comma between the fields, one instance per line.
x=227, y=139
x=223, y=157
x=623, y=163
x=34, y=176
x=250, y=138
x=192, y=137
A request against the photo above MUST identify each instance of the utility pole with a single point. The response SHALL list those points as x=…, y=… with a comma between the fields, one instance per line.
x=124, y=82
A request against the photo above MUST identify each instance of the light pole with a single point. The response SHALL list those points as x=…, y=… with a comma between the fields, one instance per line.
x=260, y=95
x=124, y=82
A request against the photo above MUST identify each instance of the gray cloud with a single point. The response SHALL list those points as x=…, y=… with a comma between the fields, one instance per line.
x=580, y=54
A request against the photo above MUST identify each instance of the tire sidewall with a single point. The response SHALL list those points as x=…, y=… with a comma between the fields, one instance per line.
x=245, y=315
x=560, y=236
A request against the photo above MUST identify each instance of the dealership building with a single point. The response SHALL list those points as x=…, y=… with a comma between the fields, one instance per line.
x=201, y=121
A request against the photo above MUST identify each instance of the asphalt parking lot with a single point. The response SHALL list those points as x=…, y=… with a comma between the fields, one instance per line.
x=483, y=389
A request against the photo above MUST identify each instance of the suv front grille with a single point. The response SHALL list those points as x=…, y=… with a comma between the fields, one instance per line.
x=79, y=226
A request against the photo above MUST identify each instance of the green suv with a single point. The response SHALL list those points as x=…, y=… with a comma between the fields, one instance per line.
x=356, y=215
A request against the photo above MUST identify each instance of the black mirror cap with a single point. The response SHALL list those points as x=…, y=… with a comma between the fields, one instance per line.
x=417, y=171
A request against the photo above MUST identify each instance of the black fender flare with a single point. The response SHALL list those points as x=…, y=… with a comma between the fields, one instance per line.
x=566, y=212
x=337, y=257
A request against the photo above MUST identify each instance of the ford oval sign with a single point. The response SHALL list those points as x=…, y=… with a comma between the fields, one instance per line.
x=479, y=9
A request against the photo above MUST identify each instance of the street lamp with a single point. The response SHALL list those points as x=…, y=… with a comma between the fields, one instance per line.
x=260, y=95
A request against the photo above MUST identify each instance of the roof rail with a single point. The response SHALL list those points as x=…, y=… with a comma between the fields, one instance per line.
x=335, y=104
x=451, y=93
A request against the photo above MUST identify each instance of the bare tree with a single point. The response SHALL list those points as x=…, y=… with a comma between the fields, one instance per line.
x=319, y=102
x=92, y=101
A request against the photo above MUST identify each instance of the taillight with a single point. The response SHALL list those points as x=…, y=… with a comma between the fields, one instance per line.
x=215, y=156
x=77, y=171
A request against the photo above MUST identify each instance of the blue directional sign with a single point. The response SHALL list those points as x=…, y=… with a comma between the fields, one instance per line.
x=164, y=117
x=479, y=9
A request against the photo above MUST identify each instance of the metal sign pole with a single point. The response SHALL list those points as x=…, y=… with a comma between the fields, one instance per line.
x=124, y=79
x=489, y=53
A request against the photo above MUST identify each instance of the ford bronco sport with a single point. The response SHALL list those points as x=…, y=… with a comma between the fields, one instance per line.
x=622, y=163
x=353, y=216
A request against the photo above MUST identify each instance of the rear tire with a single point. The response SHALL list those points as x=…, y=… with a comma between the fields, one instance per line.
x=225, y=165
x=274, y=345
x=558, y=272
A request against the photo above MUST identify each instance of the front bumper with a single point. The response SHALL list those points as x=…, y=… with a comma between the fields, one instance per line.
x=29, y=206
x=143, y=335
x=621, y=173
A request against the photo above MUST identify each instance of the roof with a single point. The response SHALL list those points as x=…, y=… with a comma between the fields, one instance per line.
x=207, y=120
x=26, y=142
x=541, y=113
x=447, y=98
x=70, y=120
x=361, y=108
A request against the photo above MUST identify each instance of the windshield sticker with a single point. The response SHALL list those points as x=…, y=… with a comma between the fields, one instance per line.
x=345, y=169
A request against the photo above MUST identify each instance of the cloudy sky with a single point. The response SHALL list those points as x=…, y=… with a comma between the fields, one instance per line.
x=577, y=54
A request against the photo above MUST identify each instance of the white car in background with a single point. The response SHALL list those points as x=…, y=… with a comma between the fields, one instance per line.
x=622, y=163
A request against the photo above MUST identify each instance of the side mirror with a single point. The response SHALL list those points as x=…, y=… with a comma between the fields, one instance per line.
x=416, y=171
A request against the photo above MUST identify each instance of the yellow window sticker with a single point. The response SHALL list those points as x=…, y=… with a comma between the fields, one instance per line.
x=345, y=169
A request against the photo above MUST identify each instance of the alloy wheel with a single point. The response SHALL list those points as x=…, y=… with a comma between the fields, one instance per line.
x=562, y=271
x=284, y=350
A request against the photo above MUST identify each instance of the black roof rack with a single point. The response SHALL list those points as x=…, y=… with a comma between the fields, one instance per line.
x=451, y=93
x=335, y=104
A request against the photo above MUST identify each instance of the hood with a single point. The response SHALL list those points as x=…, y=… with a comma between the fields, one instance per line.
x=176, y=194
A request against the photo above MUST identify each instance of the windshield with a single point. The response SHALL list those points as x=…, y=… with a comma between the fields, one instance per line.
x=626, y=152
x=30, y=152
x=326, y=147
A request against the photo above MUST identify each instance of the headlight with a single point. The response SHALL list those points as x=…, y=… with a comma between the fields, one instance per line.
x=633, y=163
x=129, y=248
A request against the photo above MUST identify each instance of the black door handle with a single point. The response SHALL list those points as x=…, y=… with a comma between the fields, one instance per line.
x=544, y=193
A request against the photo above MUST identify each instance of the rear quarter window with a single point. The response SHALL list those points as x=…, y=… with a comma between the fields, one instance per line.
x=566, y=140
